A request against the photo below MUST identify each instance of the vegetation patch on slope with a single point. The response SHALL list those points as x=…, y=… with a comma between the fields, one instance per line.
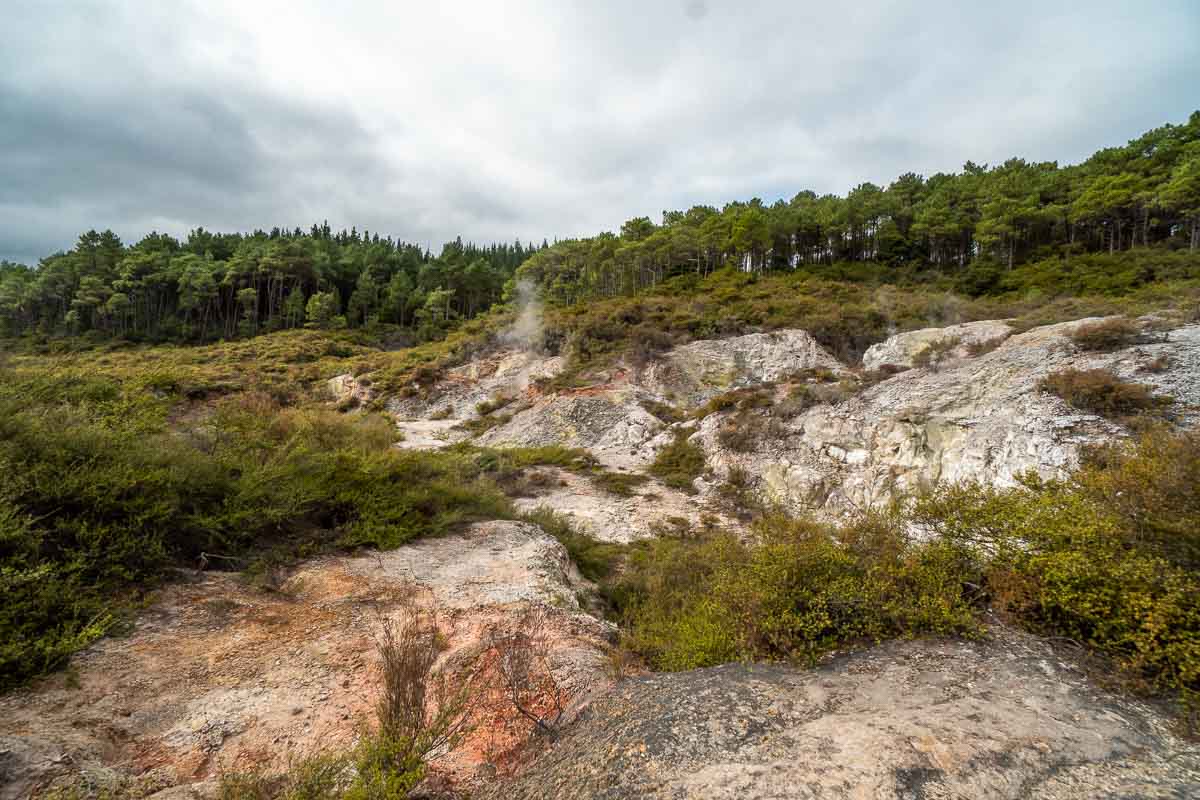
x=110, y=483
x=1107, y=559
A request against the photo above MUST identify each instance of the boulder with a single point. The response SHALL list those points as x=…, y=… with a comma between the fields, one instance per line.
x=220, y=676
x=692, y=374
x=901, y=350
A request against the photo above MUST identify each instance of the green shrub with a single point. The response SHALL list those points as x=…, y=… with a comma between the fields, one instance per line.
x=745, y=399
x=679, y=463
x=101, y=499
x=481, y=425
x=647, y=343
x=1150, y=485
x=1107, y=558
x=595, y=559
x=496, y=403
x=665, y=413
x=1102, y=392
x=802, y=590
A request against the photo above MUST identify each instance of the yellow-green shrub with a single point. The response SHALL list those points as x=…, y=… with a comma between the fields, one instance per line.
x=1107, y=558
x=801, y=590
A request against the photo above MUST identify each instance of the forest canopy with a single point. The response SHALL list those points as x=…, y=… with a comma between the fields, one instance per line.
x=222, y=286
x=975, y=226
x=975, y=223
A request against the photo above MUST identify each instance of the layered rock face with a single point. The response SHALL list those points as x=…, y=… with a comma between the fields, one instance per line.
x=1002, y=718
x=970, y=411
x=976, y=418
x=693, y=374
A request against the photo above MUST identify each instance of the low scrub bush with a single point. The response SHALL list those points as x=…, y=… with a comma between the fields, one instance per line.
x=744, y=432
x=934, y=353
x=679, y=463
x=595, y=559
x=984, y=346
x=801, y=590
x=647, y=343
x=481, y=425
x=1101, y=392
x=665, y=413
x=1107, y=558
x=101, y=498
x=1106, y=335
x=745, y=399
x=495, y=404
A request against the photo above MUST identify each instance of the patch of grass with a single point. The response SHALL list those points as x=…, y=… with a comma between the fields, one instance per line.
x=679, y=463
x=1100, y=391
x=621, y=484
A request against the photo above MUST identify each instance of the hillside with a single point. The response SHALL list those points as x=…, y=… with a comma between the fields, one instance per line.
x=893, y=495
x=653, y=505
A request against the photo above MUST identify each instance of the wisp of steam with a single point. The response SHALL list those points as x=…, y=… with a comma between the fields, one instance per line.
x=526, y=332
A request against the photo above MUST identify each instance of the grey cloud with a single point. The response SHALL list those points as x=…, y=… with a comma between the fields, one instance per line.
x=542, y=118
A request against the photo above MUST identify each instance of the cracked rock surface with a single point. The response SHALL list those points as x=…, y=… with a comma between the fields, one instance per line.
x=1000, y=718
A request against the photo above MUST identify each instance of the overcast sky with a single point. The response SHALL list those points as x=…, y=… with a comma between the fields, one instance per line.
x=495, y=120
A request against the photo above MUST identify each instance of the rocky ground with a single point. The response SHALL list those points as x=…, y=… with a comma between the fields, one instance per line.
x=1007, y=717
x=221, y=675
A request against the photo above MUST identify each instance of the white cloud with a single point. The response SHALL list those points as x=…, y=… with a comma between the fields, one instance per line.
x=495, y=120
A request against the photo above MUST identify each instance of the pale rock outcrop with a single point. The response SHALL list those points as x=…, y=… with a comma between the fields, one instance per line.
x=349, y=391
x=692, y=374
x=901, y=349
x=612, y=425
x=980, y=419
x=651, y=508
x=1007, y=717
x=429, y=418
x=220, y=676
x=504, y=373
x=610, y=420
